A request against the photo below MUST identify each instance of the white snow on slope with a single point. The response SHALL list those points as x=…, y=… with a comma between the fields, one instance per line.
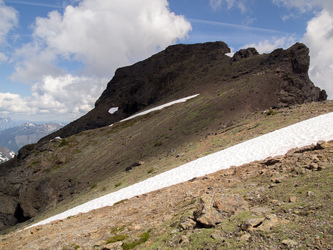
x=271, y=144
x=160, y=107
x=113, y=110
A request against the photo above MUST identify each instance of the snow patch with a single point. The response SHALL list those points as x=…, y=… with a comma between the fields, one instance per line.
x=272, y=144
x=113, y=110
x=160, y=107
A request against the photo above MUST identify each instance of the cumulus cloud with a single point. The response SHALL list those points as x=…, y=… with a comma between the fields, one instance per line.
x=100, y=36
x=8, y=20
x=319, y=38
x=63, y=97
x=105, y=34
x=268, y=46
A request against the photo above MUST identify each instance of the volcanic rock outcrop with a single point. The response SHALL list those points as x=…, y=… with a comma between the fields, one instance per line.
x=182, y=70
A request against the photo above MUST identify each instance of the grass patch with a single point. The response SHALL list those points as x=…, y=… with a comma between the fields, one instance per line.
x=118, y=184
x=116, y=238
x=116, y=229
x=150, y=170
x=143, y=238
x=63, y=142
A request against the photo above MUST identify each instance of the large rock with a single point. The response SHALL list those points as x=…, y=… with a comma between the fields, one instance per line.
x=214, y=208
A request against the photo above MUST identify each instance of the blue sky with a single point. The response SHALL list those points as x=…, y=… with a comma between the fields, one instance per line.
x=56, y=57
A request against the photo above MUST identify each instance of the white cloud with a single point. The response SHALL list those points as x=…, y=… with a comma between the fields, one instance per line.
x=240, y=4
x=319, y=38
x=102, y=36
x=8, y=20
x=64, y=97
x=105, y=34
x=268, y=46
x=300, y=5
x=215, y=4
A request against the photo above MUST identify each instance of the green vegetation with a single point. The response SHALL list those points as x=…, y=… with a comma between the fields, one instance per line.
x=63, y=142
x=116, y=229
x=271, y=112
x=116, y=238
x=143, y=238
x=118, y=184
x=150, y=170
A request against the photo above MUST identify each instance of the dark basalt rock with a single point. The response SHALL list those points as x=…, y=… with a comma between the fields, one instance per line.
x=244, y=53
x=135, y=87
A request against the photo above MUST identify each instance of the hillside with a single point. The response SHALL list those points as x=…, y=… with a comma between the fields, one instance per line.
x=93, y=158
x=281, y=202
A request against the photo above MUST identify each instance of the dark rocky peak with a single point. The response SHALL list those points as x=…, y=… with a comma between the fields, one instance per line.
x=182, y=70
x=244, y=53
x=298, y=55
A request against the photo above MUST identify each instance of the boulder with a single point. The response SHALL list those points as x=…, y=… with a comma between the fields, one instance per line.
x=215, y=208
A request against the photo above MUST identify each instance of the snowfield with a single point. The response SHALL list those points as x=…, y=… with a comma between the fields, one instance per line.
x=272, y=144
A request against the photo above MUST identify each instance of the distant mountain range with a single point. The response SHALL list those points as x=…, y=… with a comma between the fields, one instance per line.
x=16, y=137
x=6, y=123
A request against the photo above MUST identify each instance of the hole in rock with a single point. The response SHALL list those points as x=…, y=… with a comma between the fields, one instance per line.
x=19, y=214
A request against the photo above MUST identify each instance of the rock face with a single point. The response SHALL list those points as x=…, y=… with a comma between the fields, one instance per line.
x=175, y=71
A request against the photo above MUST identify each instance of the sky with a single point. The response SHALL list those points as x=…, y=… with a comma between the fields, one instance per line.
x=57, y=56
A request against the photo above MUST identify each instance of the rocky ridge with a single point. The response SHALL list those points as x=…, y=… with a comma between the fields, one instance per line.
x=279, y=203
x=178, y=71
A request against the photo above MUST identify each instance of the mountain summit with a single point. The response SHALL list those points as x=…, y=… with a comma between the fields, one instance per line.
x=252, y=81
x=88, y=158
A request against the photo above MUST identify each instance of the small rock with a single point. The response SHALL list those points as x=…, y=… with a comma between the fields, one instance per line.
x=114, y=246
x=250, y=224
x=310, y=193
x=217, y=235
x=313, y=166
x=187, y=224
x=289, y=243
x=260, y=210
x=292, y=199
x=184, y=239
x=322, y=145
x=270, y=221
x=245, y=237
x=276, y=180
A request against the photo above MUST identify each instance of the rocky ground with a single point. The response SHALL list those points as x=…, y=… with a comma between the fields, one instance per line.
x=279, y=203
